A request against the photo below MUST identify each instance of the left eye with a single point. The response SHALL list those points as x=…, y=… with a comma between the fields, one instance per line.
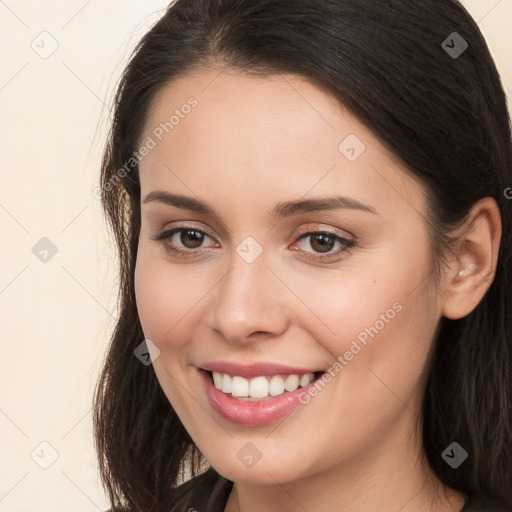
x=191, y=239
x=324, y=241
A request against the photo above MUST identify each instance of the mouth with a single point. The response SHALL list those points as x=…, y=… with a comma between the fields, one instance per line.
x=257, y=393
x=260, y=387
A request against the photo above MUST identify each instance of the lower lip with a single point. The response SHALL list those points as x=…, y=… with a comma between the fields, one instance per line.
x=242, y=412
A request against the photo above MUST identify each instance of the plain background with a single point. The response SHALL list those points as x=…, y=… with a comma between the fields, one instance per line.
x=59, y=307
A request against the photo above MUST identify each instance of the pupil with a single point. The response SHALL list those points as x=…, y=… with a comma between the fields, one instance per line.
x=326, y=242
x=197, y=238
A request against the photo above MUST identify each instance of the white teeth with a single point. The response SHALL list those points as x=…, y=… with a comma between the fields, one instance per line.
x=226, y=383
x=259, y=387
x=291, y=383
x=239, y=387
x=306, y=379
x=276, y=385
x=217, y=379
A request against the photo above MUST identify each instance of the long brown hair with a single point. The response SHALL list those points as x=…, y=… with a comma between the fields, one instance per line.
x=443, y=115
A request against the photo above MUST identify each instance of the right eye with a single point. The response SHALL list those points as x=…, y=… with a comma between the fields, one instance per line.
x=190, y=239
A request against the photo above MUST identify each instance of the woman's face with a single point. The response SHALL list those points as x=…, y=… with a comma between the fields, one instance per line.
x=256, y=281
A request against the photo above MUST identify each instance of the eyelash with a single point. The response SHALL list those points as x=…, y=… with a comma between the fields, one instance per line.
x=347, y=245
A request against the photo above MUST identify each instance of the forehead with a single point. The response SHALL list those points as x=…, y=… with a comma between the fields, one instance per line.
x=278, y=109
x=274, y=135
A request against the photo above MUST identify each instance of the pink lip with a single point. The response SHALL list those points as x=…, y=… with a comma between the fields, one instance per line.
x=261, y=412
x=255, y=370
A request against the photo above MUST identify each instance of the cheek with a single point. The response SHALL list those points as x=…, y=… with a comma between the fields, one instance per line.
x=381, y=316
x=167, y=299
x=156, y=296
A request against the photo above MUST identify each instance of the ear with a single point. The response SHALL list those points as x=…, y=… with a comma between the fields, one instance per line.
x=471, y=272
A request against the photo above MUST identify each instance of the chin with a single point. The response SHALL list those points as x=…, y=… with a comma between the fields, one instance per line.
x=270, y=471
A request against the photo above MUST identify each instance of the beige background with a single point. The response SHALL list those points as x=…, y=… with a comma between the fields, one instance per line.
x=57, y=315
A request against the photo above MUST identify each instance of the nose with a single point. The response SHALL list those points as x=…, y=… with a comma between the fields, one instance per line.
x=249, y=303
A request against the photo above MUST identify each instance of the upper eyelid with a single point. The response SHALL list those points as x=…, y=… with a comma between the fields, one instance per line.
x=323, y=228
x=304, y=233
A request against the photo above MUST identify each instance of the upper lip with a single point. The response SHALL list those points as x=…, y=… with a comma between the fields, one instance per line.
x=255, y=369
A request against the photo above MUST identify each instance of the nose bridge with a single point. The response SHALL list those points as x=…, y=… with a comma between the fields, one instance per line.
x=246, y=300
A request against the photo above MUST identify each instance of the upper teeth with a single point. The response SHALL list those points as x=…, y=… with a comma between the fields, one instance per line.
x=259, y=387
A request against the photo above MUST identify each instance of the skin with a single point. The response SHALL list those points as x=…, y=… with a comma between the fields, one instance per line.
x=249, y=144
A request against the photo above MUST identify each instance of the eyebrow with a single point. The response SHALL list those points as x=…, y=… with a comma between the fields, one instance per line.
x=281, y=210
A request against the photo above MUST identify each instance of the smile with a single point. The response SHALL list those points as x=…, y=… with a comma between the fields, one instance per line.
x=257, y=394
x=259, y=387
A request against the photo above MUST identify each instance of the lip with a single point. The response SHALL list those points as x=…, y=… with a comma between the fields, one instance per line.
x=257, y=413
x=255, y=369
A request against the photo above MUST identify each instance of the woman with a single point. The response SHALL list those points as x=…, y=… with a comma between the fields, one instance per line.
x=310, y=203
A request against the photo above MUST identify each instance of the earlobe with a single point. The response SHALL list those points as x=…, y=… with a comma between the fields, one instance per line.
x=473, y=268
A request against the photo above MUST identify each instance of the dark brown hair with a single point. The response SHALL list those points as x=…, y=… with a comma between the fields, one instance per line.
x=444, y=116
